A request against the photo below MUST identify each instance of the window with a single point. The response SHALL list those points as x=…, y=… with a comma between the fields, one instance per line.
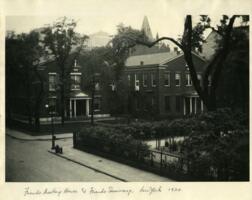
x=178, y=103
x=136, y=83
x=97, y=103
x=129, y=78
x=177, y=79
x=188, y=80
x=113, y=86
x=97, y=86
x=153, y=80
x=145, y=80
x=167, y=103
x=76, y=79
x=167, y=79
x=52, y=81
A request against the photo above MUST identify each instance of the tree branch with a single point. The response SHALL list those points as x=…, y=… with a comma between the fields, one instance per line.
x=150, y=44
x=215, y=30
x=187, y=46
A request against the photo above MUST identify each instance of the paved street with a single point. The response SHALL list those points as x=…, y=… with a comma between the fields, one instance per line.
x=29, y=160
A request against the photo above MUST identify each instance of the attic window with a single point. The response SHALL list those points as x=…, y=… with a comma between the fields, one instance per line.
x=141, y=62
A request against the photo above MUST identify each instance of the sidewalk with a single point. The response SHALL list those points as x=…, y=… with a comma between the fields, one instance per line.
x=111, y=168
x=99, y=164
x=22, y=136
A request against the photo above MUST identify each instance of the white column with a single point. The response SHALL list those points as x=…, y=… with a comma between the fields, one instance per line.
x=74, y=107
x=184, y=105
x=70, y=108
x=87, y=107
x=202, y=106
x=190, y=105
x=195, y=103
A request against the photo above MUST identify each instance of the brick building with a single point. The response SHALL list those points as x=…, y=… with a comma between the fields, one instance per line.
x=160, y=84
x=159, y=80
x=78, y=95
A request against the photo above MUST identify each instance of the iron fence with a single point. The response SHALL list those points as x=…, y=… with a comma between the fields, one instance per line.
x=158, y=161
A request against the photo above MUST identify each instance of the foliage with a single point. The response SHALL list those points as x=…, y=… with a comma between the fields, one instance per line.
x=23, y=52
x=191, y=41
x=113, y=141
x=60, y=40
x=233, y=89
x=219, y=148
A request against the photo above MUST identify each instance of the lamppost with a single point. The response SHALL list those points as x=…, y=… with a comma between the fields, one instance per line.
x=94, y=89
x=52, y=126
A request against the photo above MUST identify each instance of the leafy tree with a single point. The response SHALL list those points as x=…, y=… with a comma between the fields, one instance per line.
x=233, y=89
x=191, y=41
x=61, y=40
x=224, y=157
x=23, y=52
x=108, y=62
x=93, y=70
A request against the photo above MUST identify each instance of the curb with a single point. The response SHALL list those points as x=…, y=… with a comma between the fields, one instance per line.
x=37, y=139
x=87, y=166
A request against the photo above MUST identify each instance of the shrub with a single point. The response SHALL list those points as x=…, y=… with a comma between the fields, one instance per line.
x=218, y=146
x=114, y=141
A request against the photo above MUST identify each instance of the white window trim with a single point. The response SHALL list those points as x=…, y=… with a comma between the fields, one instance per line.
x=75, y=73
x=137, y=87
x=51, y=74
x=179, y=79
x=97, y=86
x=189, y=80
x=113, y=86
x=129, y=77
x=75, y=79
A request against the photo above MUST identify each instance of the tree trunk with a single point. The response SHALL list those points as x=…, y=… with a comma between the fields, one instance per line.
x=28, y=97
x=62, y=93
x=62, y=105
x=92, y=106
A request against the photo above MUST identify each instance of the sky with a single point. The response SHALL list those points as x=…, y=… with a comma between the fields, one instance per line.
x=165, y=16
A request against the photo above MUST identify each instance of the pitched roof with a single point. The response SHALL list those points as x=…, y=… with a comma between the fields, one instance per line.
x=79, y=94
x=150, y=59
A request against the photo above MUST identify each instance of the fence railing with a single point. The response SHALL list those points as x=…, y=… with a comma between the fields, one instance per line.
x=168, y=164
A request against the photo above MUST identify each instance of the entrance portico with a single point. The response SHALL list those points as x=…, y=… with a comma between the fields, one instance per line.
x=79, y=105
x=192, y=104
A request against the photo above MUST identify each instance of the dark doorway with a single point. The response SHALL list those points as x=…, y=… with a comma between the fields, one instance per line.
x=80, y=108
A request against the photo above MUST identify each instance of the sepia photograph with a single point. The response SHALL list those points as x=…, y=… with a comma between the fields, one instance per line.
x=120, y=93
x=157, y=108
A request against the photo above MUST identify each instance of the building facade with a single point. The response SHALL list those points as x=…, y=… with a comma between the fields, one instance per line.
x=160, y=84
x=78, y=96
